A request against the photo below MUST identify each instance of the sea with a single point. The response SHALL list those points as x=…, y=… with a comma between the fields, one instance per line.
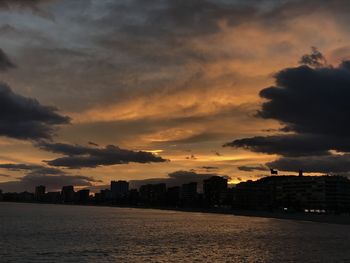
x=69, y=233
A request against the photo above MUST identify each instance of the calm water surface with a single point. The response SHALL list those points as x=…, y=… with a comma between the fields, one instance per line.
x=56, y=233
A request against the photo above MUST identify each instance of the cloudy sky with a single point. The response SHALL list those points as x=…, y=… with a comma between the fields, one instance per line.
x=100, y=90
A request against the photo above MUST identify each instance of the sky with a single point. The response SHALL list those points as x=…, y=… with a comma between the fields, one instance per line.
x=171, y=90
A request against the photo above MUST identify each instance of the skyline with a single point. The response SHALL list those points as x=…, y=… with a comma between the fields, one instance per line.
x=284, y=195
x=94, y=91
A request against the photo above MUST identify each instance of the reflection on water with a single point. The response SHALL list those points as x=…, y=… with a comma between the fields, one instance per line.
x=55, y=233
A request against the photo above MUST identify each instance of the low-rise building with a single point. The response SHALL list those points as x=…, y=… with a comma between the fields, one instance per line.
x=53, y=197
x=296, y=193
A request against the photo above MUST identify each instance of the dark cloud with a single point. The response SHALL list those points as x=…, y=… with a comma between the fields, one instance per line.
x=155, y=32
x=196, y=138
x=35, y=174
x=31, y=169
x=136, y=36
x=19, y=167
x=325, y=163
x=179, y=17
x=251, y=168
x=315, y=59
x=31, y=4
x=78, y=156
x=159, y=32
x=26, y=118
x=191, y=157
x=5, y=62
x=312, y=104
x=217, y=153
x=52, y=182
x=210, y=167
x=35, y=6
x=305, y=97
x=175, y=179
x=293, y=144
x=289, y=9
x=186, y=19
x=167, y=26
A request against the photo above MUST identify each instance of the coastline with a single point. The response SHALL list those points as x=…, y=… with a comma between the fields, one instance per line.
x=342, y=219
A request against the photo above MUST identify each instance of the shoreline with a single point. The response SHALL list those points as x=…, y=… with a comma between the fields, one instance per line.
x=342, y=219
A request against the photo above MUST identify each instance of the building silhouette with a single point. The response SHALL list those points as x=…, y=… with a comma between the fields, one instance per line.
x=104, y=196
x=83, y=196
x=294, y=193
x=321, y=194
x=119, y=189
x=133, y=197
x=18, y=197
x=173, y=196
x=40, y=193
x=67, y=194
x=53, y=197
x=153, y=194
x=215, y=191
x=189, y=194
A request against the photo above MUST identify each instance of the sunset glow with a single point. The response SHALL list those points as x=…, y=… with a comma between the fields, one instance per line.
x=156, y=79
